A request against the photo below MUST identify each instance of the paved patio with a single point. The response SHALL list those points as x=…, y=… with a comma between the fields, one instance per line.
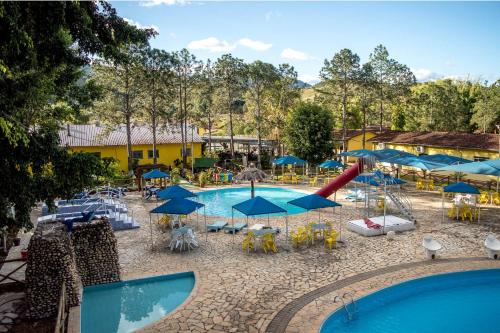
x=240, y=292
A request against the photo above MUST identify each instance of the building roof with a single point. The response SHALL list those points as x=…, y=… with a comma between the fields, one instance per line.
x=244, y=139
x=350, y=133
x=483, y=141
x=94, y=135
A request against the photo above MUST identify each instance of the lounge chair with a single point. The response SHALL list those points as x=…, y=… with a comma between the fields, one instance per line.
x=238, y=226
x=216, y=226
x=431, y=246
x=492, y=245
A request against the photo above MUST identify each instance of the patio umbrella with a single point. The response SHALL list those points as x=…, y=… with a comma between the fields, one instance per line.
x=415, y=161
x=314, y=201
x=252, y=174
x=176, y=206
x=459, y=187
x=444, y=159
x=331, y=164
x=155, y=174
x=289, y=160
x=175, y=191
x=258, y=206
x=489, y=167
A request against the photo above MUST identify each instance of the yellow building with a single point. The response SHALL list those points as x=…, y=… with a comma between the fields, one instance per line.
x=471, y=146
x=354, y=140
x=104, y=142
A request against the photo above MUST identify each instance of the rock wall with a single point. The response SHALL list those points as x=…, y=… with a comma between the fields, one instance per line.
x=85, y=257
x=51, y=260
x=96, y=252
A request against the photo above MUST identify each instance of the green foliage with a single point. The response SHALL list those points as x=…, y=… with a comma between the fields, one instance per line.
x=175, y=176
x=202, y=179
x=308, y=132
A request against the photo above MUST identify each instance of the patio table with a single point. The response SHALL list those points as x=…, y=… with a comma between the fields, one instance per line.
x=321, y=227
x=180, y=239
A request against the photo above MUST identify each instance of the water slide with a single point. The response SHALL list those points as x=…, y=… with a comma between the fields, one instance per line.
x=342, y=179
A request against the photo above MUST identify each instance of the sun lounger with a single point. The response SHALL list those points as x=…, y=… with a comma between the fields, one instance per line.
x=238, y=226
x=492, y=245
x=392, y=223
x=216, y=226
x=431, y=246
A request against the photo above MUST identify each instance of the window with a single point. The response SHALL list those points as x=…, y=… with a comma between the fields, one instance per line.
x=137, y=154
x=480, y=158
x=150, y=153
x=98, y=154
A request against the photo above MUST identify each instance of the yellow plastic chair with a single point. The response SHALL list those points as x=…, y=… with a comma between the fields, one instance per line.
x=466, y=212
x=419, y=185
x=268, y=243
x=248, y=242
x=295, y=179
x=314, y=181
x=496, y=198
x=299, y=237
x=484, y=198
x=430, y=185
x=452, y=212
x=331, y=239
x=380, y=203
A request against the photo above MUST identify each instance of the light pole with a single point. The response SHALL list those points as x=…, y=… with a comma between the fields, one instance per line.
x=192, y=150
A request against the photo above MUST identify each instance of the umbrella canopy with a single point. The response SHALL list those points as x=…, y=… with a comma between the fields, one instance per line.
x=258, y=206
x=155, y=173
x=388, y=179
x=313, y=201
x=415, y=161
x=358, y=153
x=381, y=154
x=175, y=191
x=331, y=164
x=289, y=159
x=366, y=179
x=461, y=187
x=251, y=173
x=444, y=159
x=491, y=167
x=178, y=206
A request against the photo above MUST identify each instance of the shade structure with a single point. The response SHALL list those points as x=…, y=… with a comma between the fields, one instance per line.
x=313, y=201
x=415, y=161
x=180, y=206
x=154, y=174
x=331, y=164
x=461, y=187
x=387, y=179
x=367, y=179
x=358, y=153
x=175, y=191
x=289, y=160
x=444, y=159
x=381, y=154
x=491, y=167
x=258, y=206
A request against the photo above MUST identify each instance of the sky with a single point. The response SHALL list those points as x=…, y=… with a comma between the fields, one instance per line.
x=435, y=39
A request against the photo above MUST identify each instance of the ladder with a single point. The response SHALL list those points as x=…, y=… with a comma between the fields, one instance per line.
x=350, y=313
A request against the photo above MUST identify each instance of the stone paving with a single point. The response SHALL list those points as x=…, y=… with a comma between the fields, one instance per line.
x=240, y=292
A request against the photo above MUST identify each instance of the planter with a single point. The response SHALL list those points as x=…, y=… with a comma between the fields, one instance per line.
x=24, y=254
x=17, y=241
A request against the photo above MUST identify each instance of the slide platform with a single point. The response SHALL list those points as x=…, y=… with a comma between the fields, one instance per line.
x=342, y=179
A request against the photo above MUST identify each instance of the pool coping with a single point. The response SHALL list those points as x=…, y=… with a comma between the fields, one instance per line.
x=74, y=317
x=283, y=319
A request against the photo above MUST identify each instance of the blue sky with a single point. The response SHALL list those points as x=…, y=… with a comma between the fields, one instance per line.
x=435, y=39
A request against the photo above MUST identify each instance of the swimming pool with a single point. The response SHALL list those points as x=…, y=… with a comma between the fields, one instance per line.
x=453, y=302
x=129, y=305
x=219, y=202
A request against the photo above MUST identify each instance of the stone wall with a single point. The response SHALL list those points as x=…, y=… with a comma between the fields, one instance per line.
x=96, y=252
x=89, y=256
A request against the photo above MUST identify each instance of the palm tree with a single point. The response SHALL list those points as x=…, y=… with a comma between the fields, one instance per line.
x=252, y=174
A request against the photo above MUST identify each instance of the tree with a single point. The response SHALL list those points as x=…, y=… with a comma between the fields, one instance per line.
x=42, y=59
x=231, y=81
x=487, y=109
x=365, y=89
x=261, y=77
x=308, y=132
x=342, y=73
x=205, y=96
x=392, y=79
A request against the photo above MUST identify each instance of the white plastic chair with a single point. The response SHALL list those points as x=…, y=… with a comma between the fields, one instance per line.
x=492, y=245
x=431, y=246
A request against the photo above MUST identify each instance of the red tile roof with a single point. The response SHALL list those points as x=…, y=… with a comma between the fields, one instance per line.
x=483, y=141
x=94, y=135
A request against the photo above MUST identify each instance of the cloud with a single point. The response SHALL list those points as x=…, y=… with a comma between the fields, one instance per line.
x=172, y=35
x=292, y=54
x=213, y=44
x=272, y=14
x=425, y=74
x=311, y=79
x=254, y=44
x=140, y=26
x=151, y=3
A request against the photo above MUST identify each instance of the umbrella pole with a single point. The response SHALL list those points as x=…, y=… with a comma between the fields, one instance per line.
x=151, y=231
x=498, y=181
x=442, y=208
x=286, y=228
x=232, y=221
x=206, y=231
x=340, y=224
x=385, y=206
x=268, y=224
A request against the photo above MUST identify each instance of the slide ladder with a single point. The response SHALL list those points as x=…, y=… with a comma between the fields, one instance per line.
x=402, y=203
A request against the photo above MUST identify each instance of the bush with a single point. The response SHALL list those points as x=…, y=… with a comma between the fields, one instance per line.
x=175, y=176
x=202, y=179
x=308, y=132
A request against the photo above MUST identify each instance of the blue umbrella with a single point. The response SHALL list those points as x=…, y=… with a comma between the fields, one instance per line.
x=331, y=164
x=179, y=206
x=155, y=173
x=415, y=161
x=366, y=179
x=461, y=187
x=258, y=206
x=490, y=167
x=288, y=160
x=175, y=191
x=444, y=159
x=313, y=201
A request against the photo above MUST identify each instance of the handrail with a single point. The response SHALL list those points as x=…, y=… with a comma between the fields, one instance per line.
x=62, y=311
x=8, y=276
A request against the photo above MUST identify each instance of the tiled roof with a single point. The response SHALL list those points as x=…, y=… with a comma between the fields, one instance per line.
x=350, y=133
x=485, y=141
x=94, y=135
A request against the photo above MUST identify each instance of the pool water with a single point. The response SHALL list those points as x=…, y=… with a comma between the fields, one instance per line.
x=454, y=302
x=129, y=305
x=219, y=202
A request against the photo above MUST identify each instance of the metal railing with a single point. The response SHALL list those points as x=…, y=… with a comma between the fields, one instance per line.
x=62, y=311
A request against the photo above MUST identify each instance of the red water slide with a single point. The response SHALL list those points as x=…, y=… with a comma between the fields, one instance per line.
x=342, y=179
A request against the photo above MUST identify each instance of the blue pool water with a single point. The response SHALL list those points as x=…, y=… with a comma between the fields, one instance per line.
x=126, y=306
x=454, y=302
x=219, y=202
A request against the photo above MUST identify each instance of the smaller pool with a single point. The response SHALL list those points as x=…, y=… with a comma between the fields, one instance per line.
x=462, y=302
x=219, y=202
x=129, y=305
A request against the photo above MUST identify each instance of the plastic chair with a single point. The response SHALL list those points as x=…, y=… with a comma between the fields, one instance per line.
x=248, y=242
x=268, y=243
x=419, y=185
x=430, y=185
x=331, y=239
x=484, y=198
x=496, y=198
x=314, y=181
